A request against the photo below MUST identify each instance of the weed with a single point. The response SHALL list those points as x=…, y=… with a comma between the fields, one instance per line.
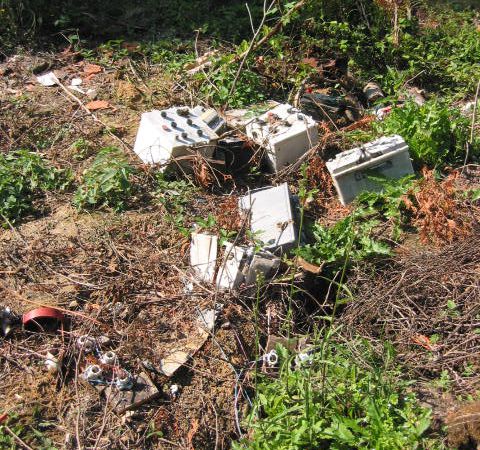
x=349, y=239
x=26, y=432
x=436, y=135
x=174, y=195
x=388, y=203
x=337, y=399
x=107, y=182
x=217, y=84
x=25, y=176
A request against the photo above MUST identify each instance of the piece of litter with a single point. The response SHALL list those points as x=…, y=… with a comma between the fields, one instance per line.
x=286, y=133
x=230, y=274
x=350, y=170
x=262, y=264
x=203, y=256
x=77, y=89
x=141, y=391
x=271, y=217
x=174, y=134
x=97, y=104
x=76, y=82
x=48, y=79
x=178, y=356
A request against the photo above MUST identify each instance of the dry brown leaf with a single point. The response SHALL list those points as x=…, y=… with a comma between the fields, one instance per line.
x=97, y=104
x=92, y=69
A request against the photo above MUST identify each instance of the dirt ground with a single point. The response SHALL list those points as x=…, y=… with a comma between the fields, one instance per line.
x=122, y=276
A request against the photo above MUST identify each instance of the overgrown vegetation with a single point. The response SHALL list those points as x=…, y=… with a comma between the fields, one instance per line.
x=436, y=134
x=107, y=182
x=340, y=396
x=25, y=177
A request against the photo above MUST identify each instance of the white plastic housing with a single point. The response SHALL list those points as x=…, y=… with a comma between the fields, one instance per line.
x=172, y=133
x=271, y=217
x=285, y=132
x=388, y=156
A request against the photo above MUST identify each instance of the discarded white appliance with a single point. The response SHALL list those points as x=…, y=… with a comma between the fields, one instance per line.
x=350, y=170
x=173, y=133
x=285, y=132
x=203, y=256
x=271, y=217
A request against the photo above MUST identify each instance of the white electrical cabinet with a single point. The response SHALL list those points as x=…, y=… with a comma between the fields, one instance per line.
x=271, y=217
x=350, y=170
x=173, y=133
x=285, y=132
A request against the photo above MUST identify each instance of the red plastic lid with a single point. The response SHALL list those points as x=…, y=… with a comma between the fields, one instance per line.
x=44, y=312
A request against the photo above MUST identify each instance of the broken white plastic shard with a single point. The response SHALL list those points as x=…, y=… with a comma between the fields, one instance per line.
x=180, y=355
x=271, y=217
x=173, y=133
x=48, y=79
x=76, y=82
x=262, y=264
x=203, y=256
x=350, y=170
x=286, y=133
x=230, y=274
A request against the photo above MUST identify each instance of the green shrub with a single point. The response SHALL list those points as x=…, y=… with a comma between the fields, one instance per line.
x=436, y=134
x=349, y=239
x=25, y=176
x=342, y=397
x=107, y=182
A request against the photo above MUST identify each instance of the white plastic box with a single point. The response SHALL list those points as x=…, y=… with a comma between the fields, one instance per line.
x=285, y=132
x=173, y=133
x=271, y=217
x=350, y=170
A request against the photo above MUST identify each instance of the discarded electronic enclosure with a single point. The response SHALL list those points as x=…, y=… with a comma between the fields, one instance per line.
x=271, y=217
x=262, y=264
x=285, y=132
x=203, y=256
x=237, y=153
x=350, y=170
x=211, y=118
x=170, y=134
x=230, y=274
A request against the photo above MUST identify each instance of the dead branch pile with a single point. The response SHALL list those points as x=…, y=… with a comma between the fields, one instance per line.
x=428, y=306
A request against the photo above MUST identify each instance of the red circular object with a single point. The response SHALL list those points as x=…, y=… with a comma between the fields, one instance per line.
x=42, y=313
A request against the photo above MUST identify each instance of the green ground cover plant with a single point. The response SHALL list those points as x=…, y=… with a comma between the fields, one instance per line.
x=341, y=396
x=24, y=177
x=107, y=182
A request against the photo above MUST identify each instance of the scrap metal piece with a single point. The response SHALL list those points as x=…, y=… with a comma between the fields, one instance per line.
x=141, y=391
x=271, y=217
x=387, y=156
x=203, y=256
